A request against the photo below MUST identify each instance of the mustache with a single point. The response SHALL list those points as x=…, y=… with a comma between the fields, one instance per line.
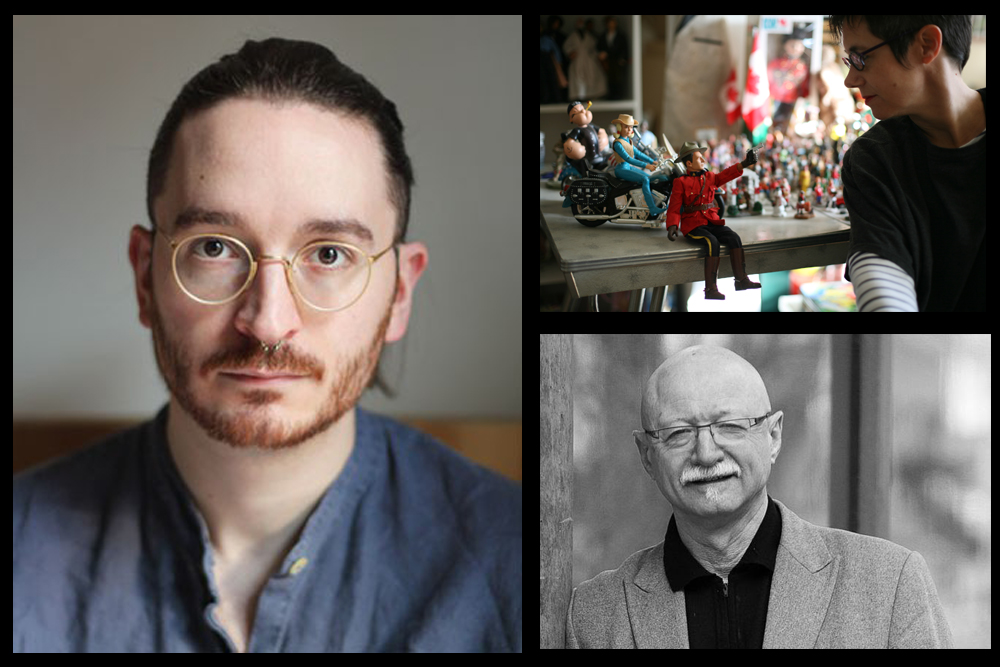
x=251, y=356
x=723, y=469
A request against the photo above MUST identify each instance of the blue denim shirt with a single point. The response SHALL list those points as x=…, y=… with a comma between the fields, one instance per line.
x=412, y=548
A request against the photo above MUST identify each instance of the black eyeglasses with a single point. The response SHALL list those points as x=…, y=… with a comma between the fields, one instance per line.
x=857, y=60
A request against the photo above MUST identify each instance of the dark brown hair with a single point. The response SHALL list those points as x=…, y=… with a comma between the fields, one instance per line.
x=286, y=70
x=956, y=32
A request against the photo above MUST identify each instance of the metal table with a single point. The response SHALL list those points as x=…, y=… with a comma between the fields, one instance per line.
x=619, y=257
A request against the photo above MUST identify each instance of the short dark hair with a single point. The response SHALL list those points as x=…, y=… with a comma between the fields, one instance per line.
x=281, y=70
x=956, y=32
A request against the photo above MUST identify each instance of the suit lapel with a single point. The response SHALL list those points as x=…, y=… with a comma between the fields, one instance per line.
x=804, y=576
x=658, y=615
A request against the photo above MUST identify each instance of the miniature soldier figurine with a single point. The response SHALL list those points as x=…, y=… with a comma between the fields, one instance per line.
x=803, y=209
x=699, y=221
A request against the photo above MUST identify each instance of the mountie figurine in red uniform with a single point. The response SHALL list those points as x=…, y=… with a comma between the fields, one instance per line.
x=699, y=221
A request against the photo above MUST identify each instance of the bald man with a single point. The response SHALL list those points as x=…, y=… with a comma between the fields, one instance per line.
x=738, y=569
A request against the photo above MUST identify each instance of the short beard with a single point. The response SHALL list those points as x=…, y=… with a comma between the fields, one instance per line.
x=249, y=426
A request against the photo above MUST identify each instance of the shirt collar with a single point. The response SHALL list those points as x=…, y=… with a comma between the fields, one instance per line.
x=682, y=568
x=339, y=502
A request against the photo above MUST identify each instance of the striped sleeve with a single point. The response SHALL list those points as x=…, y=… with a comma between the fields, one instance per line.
x=880, y=285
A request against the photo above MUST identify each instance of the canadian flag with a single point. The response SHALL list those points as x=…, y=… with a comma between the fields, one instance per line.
x=756, y=99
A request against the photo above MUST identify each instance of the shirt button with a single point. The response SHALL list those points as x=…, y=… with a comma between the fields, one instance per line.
x=298, y=566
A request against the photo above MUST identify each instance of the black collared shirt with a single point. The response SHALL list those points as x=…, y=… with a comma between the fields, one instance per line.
x=721, y=615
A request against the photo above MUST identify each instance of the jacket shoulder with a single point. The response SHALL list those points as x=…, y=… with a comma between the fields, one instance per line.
x=871, y=562
x=858, y=545
x=881, y=593
x=604, y=583
x=597, y=606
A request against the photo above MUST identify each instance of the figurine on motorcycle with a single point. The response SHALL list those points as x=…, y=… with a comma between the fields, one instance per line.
x=613, y=196
x=631, y=164
x=585, y=145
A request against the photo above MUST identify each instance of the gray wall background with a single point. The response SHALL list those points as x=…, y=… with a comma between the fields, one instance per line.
x=88, y=96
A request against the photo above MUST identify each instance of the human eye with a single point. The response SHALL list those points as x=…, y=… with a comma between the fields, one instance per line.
x=675, y=436
x=330, y=257
x=736, y=427
x=213, y=248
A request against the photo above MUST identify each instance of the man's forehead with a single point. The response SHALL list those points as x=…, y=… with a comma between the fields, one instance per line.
x=351, y=229
x=281, y=127
x=257, y=163
x=702, y=383
x=701, y=402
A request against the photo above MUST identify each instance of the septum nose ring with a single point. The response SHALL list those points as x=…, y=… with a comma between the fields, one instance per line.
x=271, y=349
x=268, y=350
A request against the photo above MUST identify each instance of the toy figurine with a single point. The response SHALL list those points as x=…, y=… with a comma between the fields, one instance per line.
x=779, y=203
x=803, y=210
x=585, y=144
x=700, y=222
x=733, y=209
x=631, y=162
x=835, y=196
x=758, y=208
x=600, y=196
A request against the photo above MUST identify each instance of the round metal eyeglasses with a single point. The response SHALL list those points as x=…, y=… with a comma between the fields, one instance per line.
x=214, y=269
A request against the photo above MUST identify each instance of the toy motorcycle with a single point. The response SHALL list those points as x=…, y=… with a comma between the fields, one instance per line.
x=600, y=197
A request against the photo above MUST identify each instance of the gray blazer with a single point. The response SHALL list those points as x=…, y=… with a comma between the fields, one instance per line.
x=831, y=589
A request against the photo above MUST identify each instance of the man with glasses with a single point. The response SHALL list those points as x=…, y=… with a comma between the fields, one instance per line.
x=262, y=510
x=738, y=569
x=915, y=184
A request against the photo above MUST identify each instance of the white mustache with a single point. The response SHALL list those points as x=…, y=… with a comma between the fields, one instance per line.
x=700, y=474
